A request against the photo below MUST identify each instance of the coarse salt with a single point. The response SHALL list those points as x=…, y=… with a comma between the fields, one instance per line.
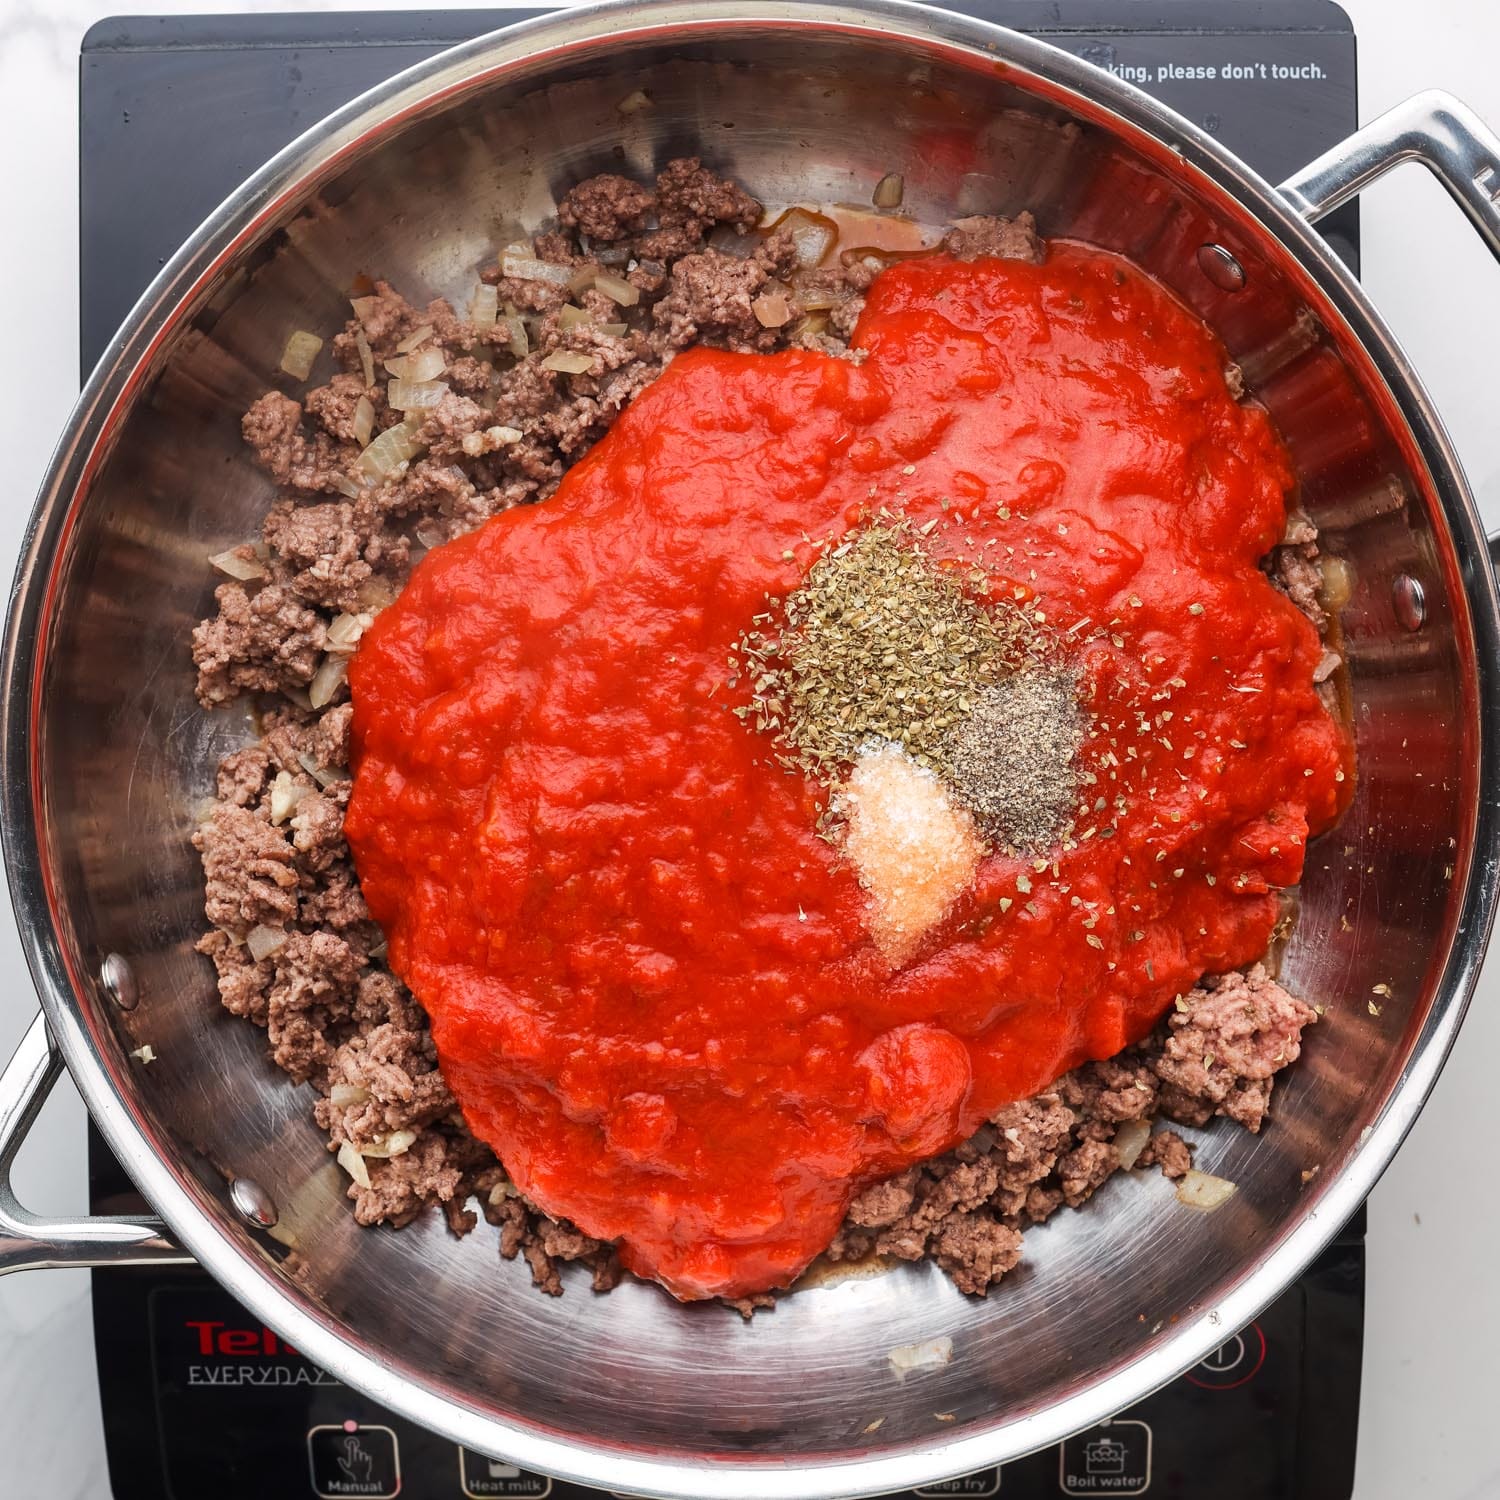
x=914, y=850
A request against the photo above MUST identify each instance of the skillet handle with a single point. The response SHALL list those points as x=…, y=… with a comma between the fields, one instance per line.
x=30, y=1243
x=1432, y=127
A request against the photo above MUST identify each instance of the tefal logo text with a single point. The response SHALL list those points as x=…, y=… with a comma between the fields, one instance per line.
x=219, y=1338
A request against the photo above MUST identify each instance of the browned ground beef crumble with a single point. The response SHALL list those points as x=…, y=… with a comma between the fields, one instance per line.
x=277, y=868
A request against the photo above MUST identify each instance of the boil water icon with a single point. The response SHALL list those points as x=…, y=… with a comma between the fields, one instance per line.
x=1111, y=1459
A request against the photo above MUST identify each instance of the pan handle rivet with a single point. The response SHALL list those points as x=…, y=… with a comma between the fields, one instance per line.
x=1221, y=268
x=1409, y=600
x=119, y=982
x=253, y=1203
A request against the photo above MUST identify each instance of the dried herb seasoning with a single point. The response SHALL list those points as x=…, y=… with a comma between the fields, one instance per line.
x=882, y=643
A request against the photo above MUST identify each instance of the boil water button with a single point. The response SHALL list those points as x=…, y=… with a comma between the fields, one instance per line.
x=1113, y=1458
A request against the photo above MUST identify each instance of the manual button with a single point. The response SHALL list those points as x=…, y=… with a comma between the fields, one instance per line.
x=351, y=1459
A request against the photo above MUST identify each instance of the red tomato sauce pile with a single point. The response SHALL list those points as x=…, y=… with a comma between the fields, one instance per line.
x=651, y=983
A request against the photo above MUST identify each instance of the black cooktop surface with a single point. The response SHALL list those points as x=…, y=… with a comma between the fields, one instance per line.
x=199, y=1399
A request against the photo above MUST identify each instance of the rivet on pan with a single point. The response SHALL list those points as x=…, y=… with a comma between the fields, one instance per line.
x=1409, y=601
x=252, y=1202
x=1221, y=268
x=118, y=981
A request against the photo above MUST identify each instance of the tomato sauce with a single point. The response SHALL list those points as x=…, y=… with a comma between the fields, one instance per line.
x=652, y=985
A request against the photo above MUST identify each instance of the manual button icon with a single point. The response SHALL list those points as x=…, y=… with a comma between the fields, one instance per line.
x=354, y=1460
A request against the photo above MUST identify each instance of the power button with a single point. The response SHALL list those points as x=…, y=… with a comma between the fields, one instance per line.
x=1235, y=1362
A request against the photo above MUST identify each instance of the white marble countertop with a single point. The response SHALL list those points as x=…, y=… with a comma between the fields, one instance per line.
x=1432, y=1336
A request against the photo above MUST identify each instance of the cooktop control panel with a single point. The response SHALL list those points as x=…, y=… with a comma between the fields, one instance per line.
x=199, y=1398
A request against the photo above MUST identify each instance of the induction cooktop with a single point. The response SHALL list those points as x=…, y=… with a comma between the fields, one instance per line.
x=199, y=1398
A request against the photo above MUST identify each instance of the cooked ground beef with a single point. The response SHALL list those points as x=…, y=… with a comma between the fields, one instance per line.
x=1295, y=567
x=1217, y=1053
x=607, y=208
x=1167, y=1150
x=1004, y=239
x=277, y=869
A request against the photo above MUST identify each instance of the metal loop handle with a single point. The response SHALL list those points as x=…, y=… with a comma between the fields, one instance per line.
x=1433, y=128
x=29, y=1243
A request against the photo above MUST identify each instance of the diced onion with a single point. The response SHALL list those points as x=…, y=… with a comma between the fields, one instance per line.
x=344, y=633
x=395, y=1144
x=528, y=268
x=772, y=310
x=424, y=364
x=346, y=486
x=617, y=289
x=519, y=344
x=264, y=941
x=727, y=240
x=500, y=1192
x=582, y=278
x=327, y=680
x=300, y=352
x=484, y=305
x=354, y=1164
x=282, y=1235
x=395, y=446
x=633, y=103
x=1203, y=1191
x=571, y=317
x=930, y=1354
x=615, y=330
x=889, y=191
x=567, y=362
x=415, y=395
x=818, y=299
x=375, y=593
x=318, y=773
x=812, y=324
x=475, y=443
x=364, y=417
x=144, y=1054
x=1130, y=1140
x=613, y=255
x=415, y=339
x=812, y=236
x=285, y=795
x=347, y=1095
x=243, y=568
x=366, y=358
x=365, y=306
x=1338, y=584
